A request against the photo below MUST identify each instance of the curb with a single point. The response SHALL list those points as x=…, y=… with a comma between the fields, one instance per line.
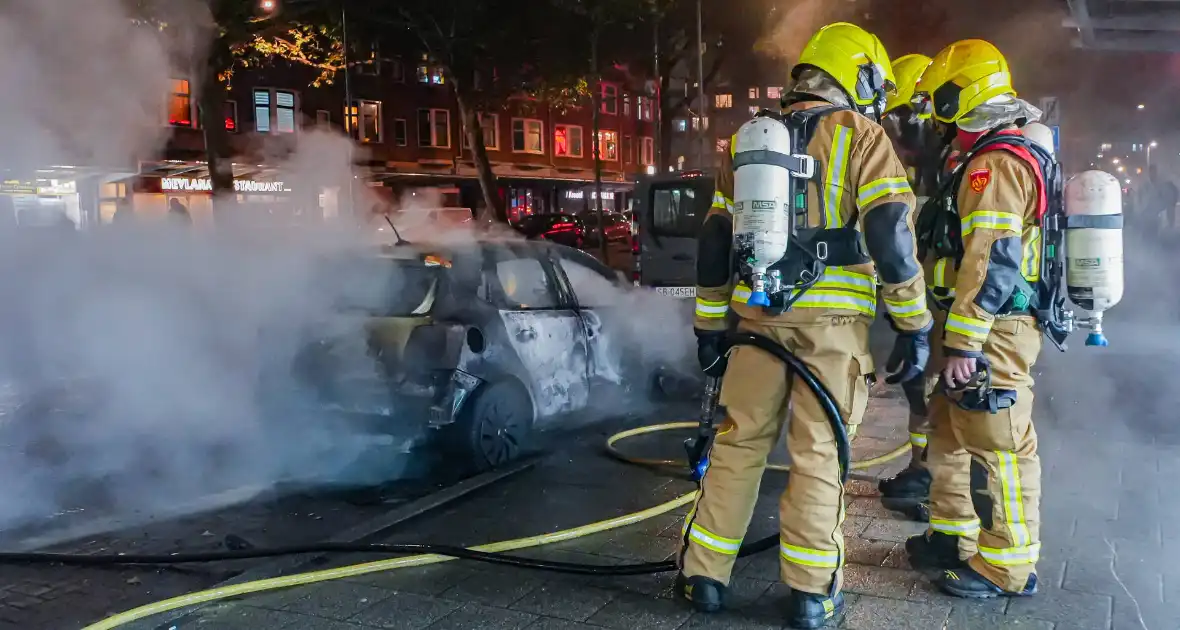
x=357, y=534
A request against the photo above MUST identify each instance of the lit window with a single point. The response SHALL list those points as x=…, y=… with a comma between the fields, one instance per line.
x=429, y=72
x=649, y=151
x=274, y=111
x=753, y=92
x=180, y=104
x=681, y=124
x=723, y=101
x=434, y=128
x=608, y=146
x=626, y=104
x=610, y=99
x=754, y=109
x=643, y=107
x=230, y=113
x=774, y=92
x=363, y=121
x=401, y=132
x=527, y=136
x=698, y=123
x=489, y=125
x=567, y=141
x=722, y=145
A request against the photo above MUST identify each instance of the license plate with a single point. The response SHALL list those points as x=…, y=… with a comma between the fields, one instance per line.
x=678, y=292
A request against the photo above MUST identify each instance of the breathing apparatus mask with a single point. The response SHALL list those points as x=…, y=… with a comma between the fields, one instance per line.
x=909, y=133
x=872, y=84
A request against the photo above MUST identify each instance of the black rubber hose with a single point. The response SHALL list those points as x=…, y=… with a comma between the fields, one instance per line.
x=747, y=549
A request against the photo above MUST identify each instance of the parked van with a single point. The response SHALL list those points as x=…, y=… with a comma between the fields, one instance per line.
x=669, y=212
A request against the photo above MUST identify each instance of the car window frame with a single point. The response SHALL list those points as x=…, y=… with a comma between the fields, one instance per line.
x=573, y=255
x=499, y=299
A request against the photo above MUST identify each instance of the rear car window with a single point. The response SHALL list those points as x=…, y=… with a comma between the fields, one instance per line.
x=525, y=285
x=382, y=287
x=674, y=212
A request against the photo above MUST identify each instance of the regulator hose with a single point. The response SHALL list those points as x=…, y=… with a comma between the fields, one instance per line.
x=770, y=542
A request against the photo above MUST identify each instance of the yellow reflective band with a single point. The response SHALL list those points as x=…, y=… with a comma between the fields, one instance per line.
x=989, y=220
x=918, y=439
x=741, y=293
x=838, y=278
x=834, y=181
x=722, y=202
x=968, y=327
x=809, y=557
x=1024, y=554
x=1013, y=502
x=969, y=527
x=1030, y=266
x=876, y=189
x=908, y=308
x=836, y=298
x=940, y=273
x=713, y=542
x=711, y=309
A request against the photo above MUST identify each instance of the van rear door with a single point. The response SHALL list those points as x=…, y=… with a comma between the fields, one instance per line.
x=670, y=211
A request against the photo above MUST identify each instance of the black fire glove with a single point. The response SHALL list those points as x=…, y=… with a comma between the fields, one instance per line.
x=711, y=349
x=911, y=352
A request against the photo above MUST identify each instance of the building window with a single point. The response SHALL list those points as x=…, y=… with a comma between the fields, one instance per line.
x=699, y=123
x=643, y=107
x=527, y=136
x=610, y=99
x=680, y=124
x=401, y=132
x=722, y=145
x=430, y=72
x=372, y=62
x=753, y=92
x=230, y=114
x=489, y=125
x=180, y=104
x=723, y=101
x=774, y=92
x=323, y=119
x=567, y=141
x=274, y=111
x=608, y=146
x=628, y=150
x=649, y=151
x=754, y=109
x=398, y=70
x=627, y=105
x=363, y=121
x=434, y=128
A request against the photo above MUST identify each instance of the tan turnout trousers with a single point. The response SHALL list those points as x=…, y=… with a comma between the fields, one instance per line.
x=1003, y=542
x=758, y=397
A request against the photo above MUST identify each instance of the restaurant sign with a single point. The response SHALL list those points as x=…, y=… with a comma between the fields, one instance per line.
x=173, y=184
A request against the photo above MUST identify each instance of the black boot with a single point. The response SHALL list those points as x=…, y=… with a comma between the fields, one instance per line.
x=906, y=492
x=933, y=550
x=706, y=594
x=807, y=611
x=966, y=582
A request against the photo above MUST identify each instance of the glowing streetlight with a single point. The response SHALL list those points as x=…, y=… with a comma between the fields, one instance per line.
x=1141, y=106
x=1100, y=156
x=1154, y=144
x=1114, y=160
x=1127, y=181
x=1121, y=169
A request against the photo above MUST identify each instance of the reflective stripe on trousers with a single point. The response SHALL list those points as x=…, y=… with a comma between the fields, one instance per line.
x=836, y=288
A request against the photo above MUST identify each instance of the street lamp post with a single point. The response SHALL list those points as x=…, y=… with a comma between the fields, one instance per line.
x=701, y=88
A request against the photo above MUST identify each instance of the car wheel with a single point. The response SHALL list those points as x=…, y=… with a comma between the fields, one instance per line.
x=494, y=430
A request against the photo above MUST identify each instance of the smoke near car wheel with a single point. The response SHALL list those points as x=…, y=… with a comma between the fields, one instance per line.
x=494, y=430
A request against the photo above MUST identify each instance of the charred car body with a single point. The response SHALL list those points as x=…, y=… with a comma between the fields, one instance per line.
x=472, y=347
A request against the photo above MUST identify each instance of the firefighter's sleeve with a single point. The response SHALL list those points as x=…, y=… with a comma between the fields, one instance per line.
x=996, y=192
x=885, y=203
x=714, y=266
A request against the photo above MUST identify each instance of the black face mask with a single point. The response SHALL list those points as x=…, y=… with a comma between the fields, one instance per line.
x=909, y=133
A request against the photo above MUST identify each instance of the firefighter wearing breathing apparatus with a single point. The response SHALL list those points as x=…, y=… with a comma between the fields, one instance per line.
x=912, y=133
x=991, y=258
x=811, y=204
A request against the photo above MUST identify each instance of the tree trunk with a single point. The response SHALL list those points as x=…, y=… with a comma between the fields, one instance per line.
x=479, y=154
x=596, y=100
x=218, y=153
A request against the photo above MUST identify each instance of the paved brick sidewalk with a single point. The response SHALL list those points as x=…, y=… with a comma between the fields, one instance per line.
x=1107, y=501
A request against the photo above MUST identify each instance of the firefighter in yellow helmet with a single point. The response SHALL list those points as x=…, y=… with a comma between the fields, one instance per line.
x=911, y=130
x=859, y=189
x=982, y=421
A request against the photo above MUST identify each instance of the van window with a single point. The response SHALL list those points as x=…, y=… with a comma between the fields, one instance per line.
x=674, y=212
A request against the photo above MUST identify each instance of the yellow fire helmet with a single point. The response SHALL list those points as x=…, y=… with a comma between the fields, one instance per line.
x=856, y=59
x=908, y=70
x=963, y=76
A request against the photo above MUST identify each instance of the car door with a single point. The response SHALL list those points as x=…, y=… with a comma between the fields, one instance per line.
x=544, y=329
x=671, y=211
x=600, y=296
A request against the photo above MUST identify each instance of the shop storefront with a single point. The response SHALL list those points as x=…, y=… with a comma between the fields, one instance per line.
x=40, y=203
x=155, y=197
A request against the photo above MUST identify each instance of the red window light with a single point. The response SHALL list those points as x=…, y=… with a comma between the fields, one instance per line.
x=561, y=142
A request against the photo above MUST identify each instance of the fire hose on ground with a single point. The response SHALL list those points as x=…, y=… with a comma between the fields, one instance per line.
x=492, y=553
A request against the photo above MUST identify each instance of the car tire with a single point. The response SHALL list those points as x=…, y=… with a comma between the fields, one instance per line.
x=495, y=428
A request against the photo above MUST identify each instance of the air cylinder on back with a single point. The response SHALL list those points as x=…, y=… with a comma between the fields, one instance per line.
x=762, y=200
x=1094, y=246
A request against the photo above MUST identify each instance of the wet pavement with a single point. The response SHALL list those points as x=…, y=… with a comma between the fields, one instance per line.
x=1106, y=563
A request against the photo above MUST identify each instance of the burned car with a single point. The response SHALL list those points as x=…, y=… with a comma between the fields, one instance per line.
x=473, y=348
